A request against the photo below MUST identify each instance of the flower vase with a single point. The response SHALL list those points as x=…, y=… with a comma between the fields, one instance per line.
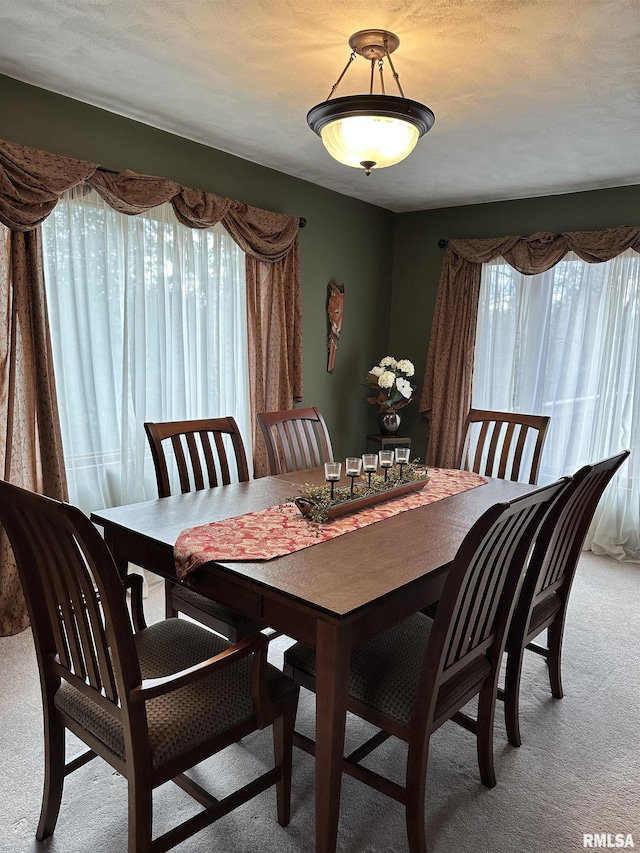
x=389, y=422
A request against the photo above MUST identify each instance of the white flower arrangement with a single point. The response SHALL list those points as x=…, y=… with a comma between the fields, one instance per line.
x=390, y=380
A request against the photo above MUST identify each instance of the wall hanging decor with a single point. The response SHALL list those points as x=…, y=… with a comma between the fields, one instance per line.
x=335, y=310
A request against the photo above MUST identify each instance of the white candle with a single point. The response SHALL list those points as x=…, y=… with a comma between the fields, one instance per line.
x=332, y=471
x=353, y=466
x=370, y=462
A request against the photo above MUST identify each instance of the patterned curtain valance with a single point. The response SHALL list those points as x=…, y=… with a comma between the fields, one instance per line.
x=539, y=252
x=31, y=181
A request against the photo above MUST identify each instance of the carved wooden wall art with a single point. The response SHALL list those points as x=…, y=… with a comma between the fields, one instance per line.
x=335, y=309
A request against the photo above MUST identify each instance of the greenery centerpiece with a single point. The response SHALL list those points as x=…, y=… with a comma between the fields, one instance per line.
x=315, y=501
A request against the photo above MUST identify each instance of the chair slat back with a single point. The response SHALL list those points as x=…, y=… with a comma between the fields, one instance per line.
x=496, y=444
x=555, y=557
x=295, y=439
x=206, y=453
x=479, y=594
x=75, y=600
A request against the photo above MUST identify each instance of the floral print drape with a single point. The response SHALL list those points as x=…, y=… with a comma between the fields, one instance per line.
x=30, y=442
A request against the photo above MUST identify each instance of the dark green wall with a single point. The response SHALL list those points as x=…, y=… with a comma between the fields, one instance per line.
x=418, y=259
x=389, y=264
x=345, y=240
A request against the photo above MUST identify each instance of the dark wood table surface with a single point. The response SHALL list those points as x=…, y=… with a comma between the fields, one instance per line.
x=332, y=595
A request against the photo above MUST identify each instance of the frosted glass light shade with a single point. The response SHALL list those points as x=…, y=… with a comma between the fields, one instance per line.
x=375, y=139
x=370, y=131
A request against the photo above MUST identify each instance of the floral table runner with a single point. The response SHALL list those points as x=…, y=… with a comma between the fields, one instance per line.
x=281, y=530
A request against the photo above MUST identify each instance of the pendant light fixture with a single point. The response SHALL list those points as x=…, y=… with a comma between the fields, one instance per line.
x=374, y=130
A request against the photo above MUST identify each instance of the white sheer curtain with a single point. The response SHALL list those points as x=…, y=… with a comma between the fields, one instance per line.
x=148, y=322
x=566, y=343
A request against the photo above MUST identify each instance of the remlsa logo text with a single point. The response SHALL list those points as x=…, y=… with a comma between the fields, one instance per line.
x=605, y=839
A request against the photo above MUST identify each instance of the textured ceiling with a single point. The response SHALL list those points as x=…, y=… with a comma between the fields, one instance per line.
x=531, y=97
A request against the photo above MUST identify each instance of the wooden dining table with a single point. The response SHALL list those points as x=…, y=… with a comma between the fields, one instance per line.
x=332, y=595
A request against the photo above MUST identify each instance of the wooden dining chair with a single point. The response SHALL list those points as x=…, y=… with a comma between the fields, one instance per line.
x=543, y=600
x=203, y=454
x=494, y=444
x=413, y=677
x=153, y=703
x=295, y=439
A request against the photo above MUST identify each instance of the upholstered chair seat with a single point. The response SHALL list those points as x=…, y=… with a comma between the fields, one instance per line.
x=385, y=670
x=188, y=718
x=544, y=610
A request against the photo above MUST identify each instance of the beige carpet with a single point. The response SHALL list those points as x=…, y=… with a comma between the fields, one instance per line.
x=576, y=772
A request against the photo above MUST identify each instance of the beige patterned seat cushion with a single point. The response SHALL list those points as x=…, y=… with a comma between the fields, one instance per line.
x=385, y=669
x=543, y=609
x=185, y=718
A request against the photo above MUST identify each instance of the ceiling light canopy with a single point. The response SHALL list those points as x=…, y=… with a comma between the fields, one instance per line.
x=374, y=130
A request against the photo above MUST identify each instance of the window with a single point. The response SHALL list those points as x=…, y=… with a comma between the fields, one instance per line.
x=148, y=322
x=566, y=343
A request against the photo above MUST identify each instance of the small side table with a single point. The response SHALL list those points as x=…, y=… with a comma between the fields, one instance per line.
x=387, y=441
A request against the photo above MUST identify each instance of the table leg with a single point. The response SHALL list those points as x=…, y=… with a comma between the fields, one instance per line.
x=333, y=657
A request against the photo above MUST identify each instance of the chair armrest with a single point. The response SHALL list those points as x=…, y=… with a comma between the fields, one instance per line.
x=255, y=644
x=135, y=584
